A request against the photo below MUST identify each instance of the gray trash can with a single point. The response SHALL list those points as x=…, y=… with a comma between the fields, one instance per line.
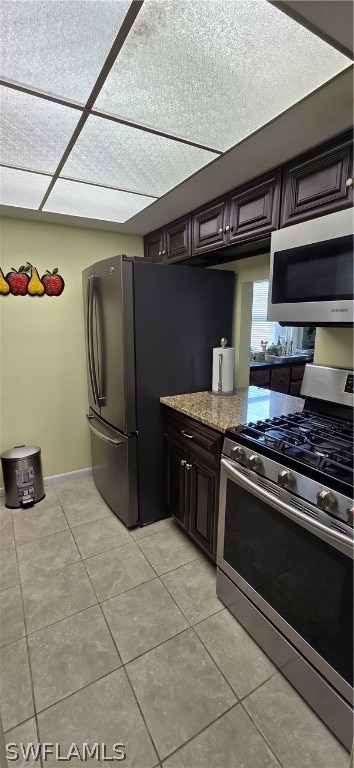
x=23, y=480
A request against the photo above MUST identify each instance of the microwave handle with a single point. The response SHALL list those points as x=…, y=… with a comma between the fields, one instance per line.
x=332, y=537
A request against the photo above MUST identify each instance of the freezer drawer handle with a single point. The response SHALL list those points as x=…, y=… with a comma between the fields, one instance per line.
x=106, y=439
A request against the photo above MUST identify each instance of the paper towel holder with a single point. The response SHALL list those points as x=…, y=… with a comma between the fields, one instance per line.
x=223, y=344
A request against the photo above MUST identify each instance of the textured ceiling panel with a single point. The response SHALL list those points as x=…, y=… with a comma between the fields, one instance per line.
x=77, y=199
x=58, y=47
x=214, y=71
x=110, y=153
x=34, y=132
x=22, y=189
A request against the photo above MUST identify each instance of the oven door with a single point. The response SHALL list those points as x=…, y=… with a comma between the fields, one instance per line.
x=296, y=571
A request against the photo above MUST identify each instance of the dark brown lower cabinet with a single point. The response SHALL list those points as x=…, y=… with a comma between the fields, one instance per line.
x=286, y=379
x=193, y=472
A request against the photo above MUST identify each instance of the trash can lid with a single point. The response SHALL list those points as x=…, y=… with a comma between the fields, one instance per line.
x=20, y=452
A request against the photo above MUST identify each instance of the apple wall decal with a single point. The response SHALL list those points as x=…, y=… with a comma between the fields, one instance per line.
x=19, y=283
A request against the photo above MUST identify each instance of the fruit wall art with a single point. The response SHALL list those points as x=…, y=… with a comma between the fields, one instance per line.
x=25, y=281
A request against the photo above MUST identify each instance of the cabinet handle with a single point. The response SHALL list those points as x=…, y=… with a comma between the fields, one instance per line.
x=160, y=253
x=349, y=182
x=183, y=463
x=163, y=253
x=188, y=467
x=228, y=228
x=190, y=437
x=220, y=231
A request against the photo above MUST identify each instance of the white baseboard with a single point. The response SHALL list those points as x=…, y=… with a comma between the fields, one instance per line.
x=63, y=478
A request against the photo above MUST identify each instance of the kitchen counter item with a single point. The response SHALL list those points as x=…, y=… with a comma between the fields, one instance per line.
x=223, y=369
x=247, y=404
x=23, y=480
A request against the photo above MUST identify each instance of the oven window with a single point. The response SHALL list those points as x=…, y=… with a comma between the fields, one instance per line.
x=318, y=272
x=308, y=582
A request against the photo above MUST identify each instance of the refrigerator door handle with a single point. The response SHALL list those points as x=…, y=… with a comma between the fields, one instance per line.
x=90, y=345
x=110, y=440
x=88, y=336
x=101, y=400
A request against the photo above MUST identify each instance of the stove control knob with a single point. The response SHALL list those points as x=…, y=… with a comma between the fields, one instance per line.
x=350, y=515
x=285, y=478
x=254, y=462
x=326, y=500
x=238, y=452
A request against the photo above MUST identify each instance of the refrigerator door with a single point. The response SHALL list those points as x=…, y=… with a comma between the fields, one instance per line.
x=113, y=357
x=114, y=468
x=90, y=338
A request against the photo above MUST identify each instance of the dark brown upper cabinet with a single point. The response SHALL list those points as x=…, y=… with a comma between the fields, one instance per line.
x=318, y=183
x=208, y=227
x=249, y=212
x=154, y=245
x=178, y=240
x=310, y=185
x=170, y=244
x=254, y=208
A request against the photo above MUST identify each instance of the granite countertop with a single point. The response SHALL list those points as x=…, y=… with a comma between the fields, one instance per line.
x=223, y=411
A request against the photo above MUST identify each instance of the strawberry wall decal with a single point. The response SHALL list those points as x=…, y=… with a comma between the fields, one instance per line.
x=18, y=283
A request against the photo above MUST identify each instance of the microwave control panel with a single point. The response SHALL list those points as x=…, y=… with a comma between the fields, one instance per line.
x=349, y=384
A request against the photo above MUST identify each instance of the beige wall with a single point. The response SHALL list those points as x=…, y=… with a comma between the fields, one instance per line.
x=43, y=373
x=247, y=271
x=334, y=346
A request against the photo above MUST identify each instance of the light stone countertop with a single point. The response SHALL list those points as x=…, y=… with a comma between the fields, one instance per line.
x=223, y=411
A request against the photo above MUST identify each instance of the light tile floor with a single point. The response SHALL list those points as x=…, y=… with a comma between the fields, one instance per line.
x=114, y=636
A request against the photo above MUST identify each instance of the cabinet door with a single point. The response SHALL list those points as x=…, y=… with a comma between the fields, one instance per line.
x=318, y=183
x=154, y=246
x=208, y=226
x=176, y=481
x=254, y=209
x=178, y=240
x=203, y=503
x=280, y=379
x=260, y=377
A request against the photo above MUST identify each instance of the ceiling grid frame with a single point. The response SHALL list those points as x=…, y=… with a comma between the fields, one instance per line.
x=90, y=108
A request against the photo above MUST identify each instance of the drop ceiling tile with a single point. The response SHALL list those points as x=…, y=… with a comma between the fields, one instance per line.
x=94, y=202
x=34, y=132
x=58, y=47
x=119, y=156
x=214, y=71
x=22, y=189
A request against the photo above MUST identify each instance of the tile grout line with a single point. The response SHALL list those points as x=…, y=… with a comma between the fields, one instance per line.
x=259, y=730
x=28, y=657
x=123, y=665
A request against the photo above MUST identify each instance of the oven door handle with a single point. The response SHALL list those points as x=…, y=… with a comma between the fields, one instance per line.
x=332, y=537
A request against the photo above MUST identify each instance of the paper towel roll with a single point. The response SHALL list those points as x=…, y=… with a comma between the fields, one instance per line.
x=223, y=369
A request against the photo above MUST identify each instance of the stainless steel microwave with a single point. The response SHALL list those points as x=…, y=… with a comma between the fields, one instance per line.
x=311, y=272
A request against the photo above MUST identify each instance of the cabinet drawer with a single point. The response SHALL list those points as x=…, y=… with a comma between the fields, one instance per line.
x=280, y=380
x=297, y=372
x=295, y=387
x=260, y=378
x=192, y=434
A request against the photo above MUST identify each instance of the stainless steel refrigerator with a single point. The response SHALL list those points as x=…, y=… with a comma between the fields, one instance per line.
x=150, y=329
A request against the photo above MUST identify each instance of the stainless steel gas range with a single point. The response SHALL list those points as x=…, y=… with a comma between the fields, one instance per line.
x=285, y=541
